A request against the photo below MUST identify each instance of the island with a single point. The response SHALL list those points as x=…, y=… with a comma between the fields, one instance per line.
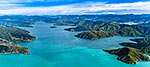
x=9, y=35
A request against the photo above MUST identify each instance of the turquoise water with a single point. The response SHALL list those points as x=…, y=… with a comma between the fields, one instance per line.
x=58, y=48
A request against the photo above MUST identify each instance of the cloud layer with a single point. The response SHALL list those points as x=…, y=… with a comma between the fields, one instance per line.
x=78, y=8
x=17, y=1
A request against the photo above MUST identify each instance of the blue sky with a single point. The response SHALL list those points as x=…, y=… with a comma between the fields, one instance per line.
x=73, y=7
x=66, y=2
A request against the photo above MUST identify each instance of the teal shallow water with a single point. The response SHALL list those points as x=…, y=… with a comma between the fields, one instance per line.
x=59, y=48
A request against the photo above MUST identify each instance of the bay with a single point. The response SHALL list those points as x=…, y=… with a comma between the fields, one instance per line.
x=56, y=47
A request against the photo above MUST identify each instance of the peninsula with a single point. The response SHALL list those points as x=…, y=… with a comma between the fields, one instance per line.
x=132, y=52
x=8, y=35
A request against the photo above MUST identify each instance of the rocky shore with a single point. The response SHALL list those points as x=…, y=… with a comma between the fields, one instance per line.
x=6, y=48
x=129, y=55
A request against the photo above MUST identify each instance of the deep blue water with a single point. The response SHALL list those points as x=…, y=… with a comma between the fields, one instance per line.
x=55, y=47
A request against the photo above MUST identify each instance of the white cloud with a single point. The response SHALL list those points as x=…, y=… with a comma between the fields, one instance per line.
x=9, y=6
x=82, y=8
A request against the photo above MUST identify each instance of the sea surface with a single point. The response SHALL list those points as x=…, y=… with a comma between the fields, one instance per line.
x=56, y=47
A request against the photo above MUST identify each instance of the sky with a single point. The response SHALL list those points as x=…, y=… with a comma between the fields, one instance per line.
x=73, y=7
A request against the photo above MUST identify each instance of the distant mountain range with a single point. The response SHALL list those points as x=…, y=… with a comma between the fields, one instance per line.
x=24, y=20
